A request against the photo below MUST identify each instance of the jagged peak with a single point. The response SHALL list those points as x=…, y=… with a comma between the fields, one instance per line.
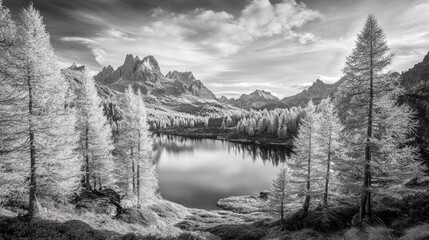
x=109, y=68
x=188, y=75
x=426, y=58
x=151, y=63
x=78, y=68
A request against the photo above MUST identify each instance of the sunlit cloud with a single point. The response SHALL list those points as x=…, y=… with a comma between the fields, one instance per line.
x=233, y=47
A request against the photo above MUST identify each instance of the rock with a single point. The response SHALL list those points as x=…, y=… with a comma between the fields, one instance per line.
x=242, y=204
x=137, y=216
x=264, y=195
x=112, y=195
x=237, y=232
x=129, y=201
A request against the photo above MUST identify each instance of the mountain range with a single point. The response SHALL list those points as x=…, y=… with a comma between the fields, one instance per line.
x=182, y=92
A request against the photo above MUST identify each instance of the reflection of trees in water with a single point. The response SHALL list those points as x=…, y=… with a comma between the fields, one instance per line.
x=268, y=154
x=178, y=144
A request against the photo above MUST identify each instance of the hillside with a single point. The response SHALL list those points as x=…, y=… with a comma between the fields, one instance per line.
x=415, y=81
x=316, y=92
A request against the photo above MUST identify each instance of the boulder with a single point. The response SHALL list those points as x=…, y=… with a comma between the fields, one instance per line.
x=137, y=216
x=264, y=195
x=237, y=232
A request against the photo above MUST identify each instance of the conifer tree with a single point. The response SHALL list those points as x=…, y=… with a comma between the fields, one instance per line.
x=96, y=143
x=12, y=172
x=303, y=163
x=328, y=137
x=48, y=142
x=279, y=193
x=136, y=147
x=360, y=97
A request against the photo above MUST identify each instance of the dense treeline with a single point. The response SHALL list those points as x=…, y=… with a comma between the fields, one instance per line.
x=358, y=145
x=55, y=140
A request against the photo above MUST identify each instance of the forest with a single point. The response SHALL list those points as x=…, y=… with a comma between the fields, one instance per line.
x=67, y=171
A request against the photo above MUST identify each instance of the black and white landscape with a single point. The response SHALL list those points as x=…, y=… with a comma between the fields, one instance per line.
x=202, y=119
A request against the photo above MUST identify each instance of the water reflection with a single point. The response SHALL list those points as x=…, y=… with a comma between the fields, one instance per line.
x=198, y=172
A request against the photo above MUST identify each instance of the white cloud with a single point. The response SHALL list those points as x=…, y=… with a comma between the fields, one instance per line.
x=329, y=79
x=155, y=12
x=93, y=45
x=223, y=34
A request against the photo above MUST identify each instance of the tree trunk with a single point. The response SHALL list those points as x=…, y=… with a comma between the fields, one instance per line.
x=138, y=170
x=138, y=182
x=87, y=175
x=325, y=195
x=306, y=205
x=133, y=170
x=365, y=205
x=33, y=208
x=99, y=183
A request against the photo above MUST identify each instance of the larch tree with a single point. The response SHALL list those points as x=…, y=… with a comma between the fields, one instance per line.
x=279, y=193
x=49, y=141
x=302, y=163
x=331, y=149
x=12, y=172
x=363, y=96
x=136, y=145
x=96, y=144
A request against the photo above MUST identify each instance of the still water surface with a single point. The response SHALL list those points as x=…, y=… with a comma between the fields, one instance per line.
x=198, y=172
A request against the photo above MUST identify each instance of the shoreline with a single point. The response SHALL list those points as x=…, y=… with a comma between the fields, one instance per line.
x=226, y=135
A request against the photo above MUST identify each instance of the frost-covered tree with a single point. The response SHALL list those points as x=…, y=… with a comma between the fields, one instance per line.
x=96, y=144
x=279, y=193
x=331, y=149
x=139, y=175
x=46, y=133
x=10, y=120
x=223, y=126
x=364, y=106
x=303, y=163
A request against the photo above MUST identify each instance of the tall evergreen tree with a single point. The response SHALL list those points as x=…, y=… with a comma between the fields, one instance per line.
x=279, y=192
x=328, y=137
x=359, y=98
x=136, y=147
x=303, y=162
x=48, y=142
x=12, y=172
x=96, y=143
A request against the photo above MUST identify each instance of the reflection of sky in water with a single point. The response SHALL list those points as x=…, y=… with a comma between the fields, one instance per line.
x=198, y=172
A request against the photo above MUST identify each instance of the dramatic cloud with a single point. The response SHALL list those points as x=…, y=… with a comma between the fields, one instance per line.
x=93, y=45
x=223, y=34
x=234, y=47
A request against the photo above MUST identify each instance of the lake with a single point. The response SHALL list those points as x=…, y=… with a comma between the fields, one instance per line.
x=198, y=172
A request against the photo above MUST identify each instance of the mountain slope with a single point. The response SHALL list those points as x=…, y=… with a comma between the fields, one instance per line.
x=256, y=100
x=416, y=84
x=316, y=92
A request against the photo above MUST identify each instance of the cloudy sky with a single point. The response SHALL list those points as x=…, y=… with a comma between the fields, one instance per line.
x=233, y=46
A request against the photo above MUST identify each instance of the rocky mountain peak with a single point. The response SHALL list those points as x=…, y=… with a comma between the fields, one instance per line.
x=147, y=74
x=223, y=99
x=151, y=63
x=186, y=77
x=262, y=94
x=77, y=68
